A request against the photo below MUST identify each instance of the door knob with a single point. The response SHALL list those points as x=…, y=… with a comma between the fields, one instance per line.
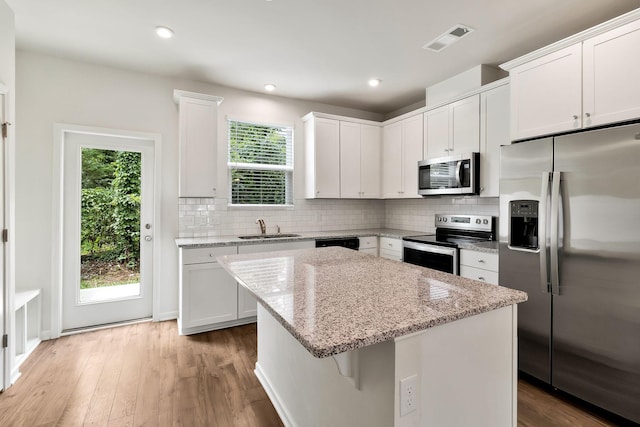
x=148, y=238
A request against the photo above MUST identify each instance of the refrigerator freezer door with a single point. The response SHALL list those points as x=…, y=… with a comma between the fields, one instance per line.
x=596, y=316
x=521, y=171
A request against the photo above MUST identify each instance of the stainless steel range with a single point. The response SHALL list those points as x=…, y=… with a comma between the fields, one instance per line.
x=440, y=251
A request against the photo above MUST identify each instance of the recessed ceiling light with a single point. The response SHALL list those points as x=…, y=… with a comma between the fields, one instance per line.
x=269, y=87
x=164, y=32
x=374, y=82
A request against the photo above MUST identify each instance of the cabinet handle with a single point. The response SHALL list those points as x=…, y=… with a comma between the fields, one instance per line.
x=481, y=261
x=210, y=255
x=587, y=114
x=318, y=192
x=575, y=117
x=481, y=278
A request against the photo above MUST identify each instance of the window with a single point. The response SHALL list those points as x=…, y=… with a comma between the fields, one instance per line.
x=260, y=164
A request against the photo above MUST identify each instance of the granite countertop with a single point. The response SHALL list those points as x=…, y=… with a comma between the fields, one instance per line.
x=205, y=242
x=334, y=299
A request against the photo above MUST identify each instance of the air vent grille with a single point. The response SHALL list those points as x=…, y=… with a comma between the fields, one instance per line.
x=447, y=38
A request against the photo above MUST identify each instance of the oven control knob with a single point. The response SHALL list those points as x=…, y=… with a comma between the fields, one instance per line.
x=485, y=221
x=477, y=221
x=444, y=219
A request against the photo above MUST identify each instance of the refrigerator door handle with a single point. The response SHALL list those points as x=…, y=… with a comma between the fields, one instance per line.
x=555, y=221
x=542, y=232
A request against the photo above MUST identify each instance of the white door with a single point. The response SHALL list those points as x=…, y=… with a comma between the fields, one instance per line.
x=370, y=162
x=107, y=229
x=4, y=362
x=349, y=160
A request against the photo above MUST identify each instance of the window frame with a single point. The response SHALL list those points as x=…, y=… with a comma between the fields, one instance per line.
x=288, y=169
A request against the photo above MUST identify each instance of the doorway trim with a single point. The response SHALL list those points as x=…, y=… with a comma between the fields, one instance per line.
x=7, y=285
x=60, y=132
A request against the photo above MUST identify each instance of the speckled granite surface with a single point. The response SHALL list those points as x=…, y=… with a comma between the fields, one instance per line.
x=204, y=242
x=333, y=299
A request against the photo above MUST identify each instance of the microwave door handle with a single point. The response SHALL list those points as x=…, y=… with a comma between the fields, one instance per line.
x=458, y=170
x=542, y=233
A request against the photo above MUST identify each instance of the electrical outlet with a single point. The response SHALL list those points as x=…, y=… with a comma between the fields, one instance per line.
x=408, y=395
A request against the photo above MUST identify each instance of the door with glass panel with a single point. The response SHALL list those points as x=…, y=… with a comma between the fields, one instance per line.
x=107, y=229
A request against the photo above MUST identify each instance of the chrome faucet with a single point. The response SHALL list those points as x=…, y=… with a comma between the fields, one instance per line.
x=263, y=227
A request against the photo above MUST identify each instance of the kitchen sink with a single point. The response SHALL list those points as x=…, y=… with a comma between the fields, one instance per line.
x=267, y=236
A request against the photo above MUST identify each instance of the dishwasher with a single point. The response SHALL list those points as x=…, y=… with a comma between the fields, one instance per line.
x=345, y=242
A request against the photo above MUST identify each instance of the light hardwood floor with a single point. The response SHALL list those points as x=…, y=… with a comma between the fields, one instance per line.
x=145, y=374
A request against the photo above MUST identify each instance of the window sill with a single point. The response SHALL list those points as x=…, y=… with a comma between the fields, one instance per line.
x=260, y=207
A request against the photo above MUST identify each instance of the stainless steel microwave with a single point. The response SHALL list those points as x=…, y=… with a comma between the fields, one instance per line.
x=455, y=175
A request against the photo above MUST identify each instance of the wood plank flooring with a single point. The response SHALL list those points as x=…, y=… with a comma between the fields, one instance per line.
x=147, y=375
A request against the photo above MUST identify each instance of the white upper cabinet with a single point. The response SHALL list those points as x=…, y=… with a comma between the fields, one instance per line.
x=591, y=82
x=322, y=139
x=546, y=94
x=610, y=76
x=198, y=136
x=370, y=161
x=453, y=128
x=494, y=132
x=436, y=132
x=350, y=160
x=392, y=161
x=402, y=149
x=360, y=146
x=465, y=125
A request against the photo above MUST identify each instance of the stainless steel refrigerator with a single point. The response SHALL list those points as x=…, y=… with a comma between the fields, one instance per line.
x=570, y=237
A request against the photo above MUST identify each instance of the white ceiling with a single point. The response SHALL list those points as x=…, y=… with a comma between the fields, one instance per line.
x=321, y=50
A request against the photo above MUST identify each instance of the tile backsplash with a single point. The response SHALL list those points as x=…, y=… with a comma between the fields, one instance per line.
x=213, y=217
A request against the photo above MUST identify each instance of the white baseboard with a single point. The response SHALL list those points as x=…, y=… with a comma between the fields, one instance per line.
x=45, y=335
x=214, y=326
x=167, y=315
x=273, y=396
x=15, y=374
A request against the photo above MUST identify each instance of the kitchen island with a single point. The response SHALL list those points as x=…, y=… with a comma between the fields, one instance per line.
x=349, y=339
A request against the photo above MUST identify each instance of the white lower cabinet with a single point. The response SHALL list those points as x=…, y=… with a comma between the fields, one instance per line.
x=247, y=304
x=208, y=294
x=480, y=266
x=209, y=297
x=391, y=248
x=369, y=245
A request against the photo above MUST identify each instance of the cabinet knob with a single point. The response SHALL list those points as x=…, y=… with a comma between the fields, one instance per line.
x=481, y=188
x=481, y=261
x=575, y=117
x=587, y=114
x=481, y=278
x=318, y=192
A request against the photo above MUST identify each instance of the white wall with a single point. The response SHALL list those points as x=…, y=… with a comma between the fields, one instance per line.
x=53, y=90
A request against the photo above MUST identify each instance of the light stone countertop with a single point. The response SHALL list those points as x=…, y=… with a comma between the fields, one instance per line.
x=216, y=241
x=334, y=299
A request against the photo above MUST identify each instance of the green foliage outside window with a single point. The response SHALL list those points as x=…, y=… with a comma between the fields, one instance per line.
x=260, y=160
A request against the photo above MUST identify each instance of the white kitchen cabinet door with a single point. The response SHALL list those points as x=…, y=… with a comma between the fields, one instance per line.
x=494, y=132
x=412, y=130
x=350, y=160
x=546, y=94
x=370, y=161
x=322, y=138
x=209, y=295
x=198, y=136
x=247, y=303
x=610, y=72
x=464, y=119
x=392, y=161
x=436, y=133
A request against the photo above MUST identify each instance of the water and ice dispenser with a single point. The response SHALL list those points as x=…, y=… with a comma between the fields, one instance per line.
x=523, y=228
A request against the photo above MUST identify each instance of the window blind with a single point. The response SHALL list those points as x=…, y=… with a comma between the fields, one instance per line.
x=260, y=164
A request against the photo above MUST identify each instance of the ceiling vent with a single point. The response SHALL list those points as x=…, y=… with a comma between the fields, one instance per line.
x=447, y=38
